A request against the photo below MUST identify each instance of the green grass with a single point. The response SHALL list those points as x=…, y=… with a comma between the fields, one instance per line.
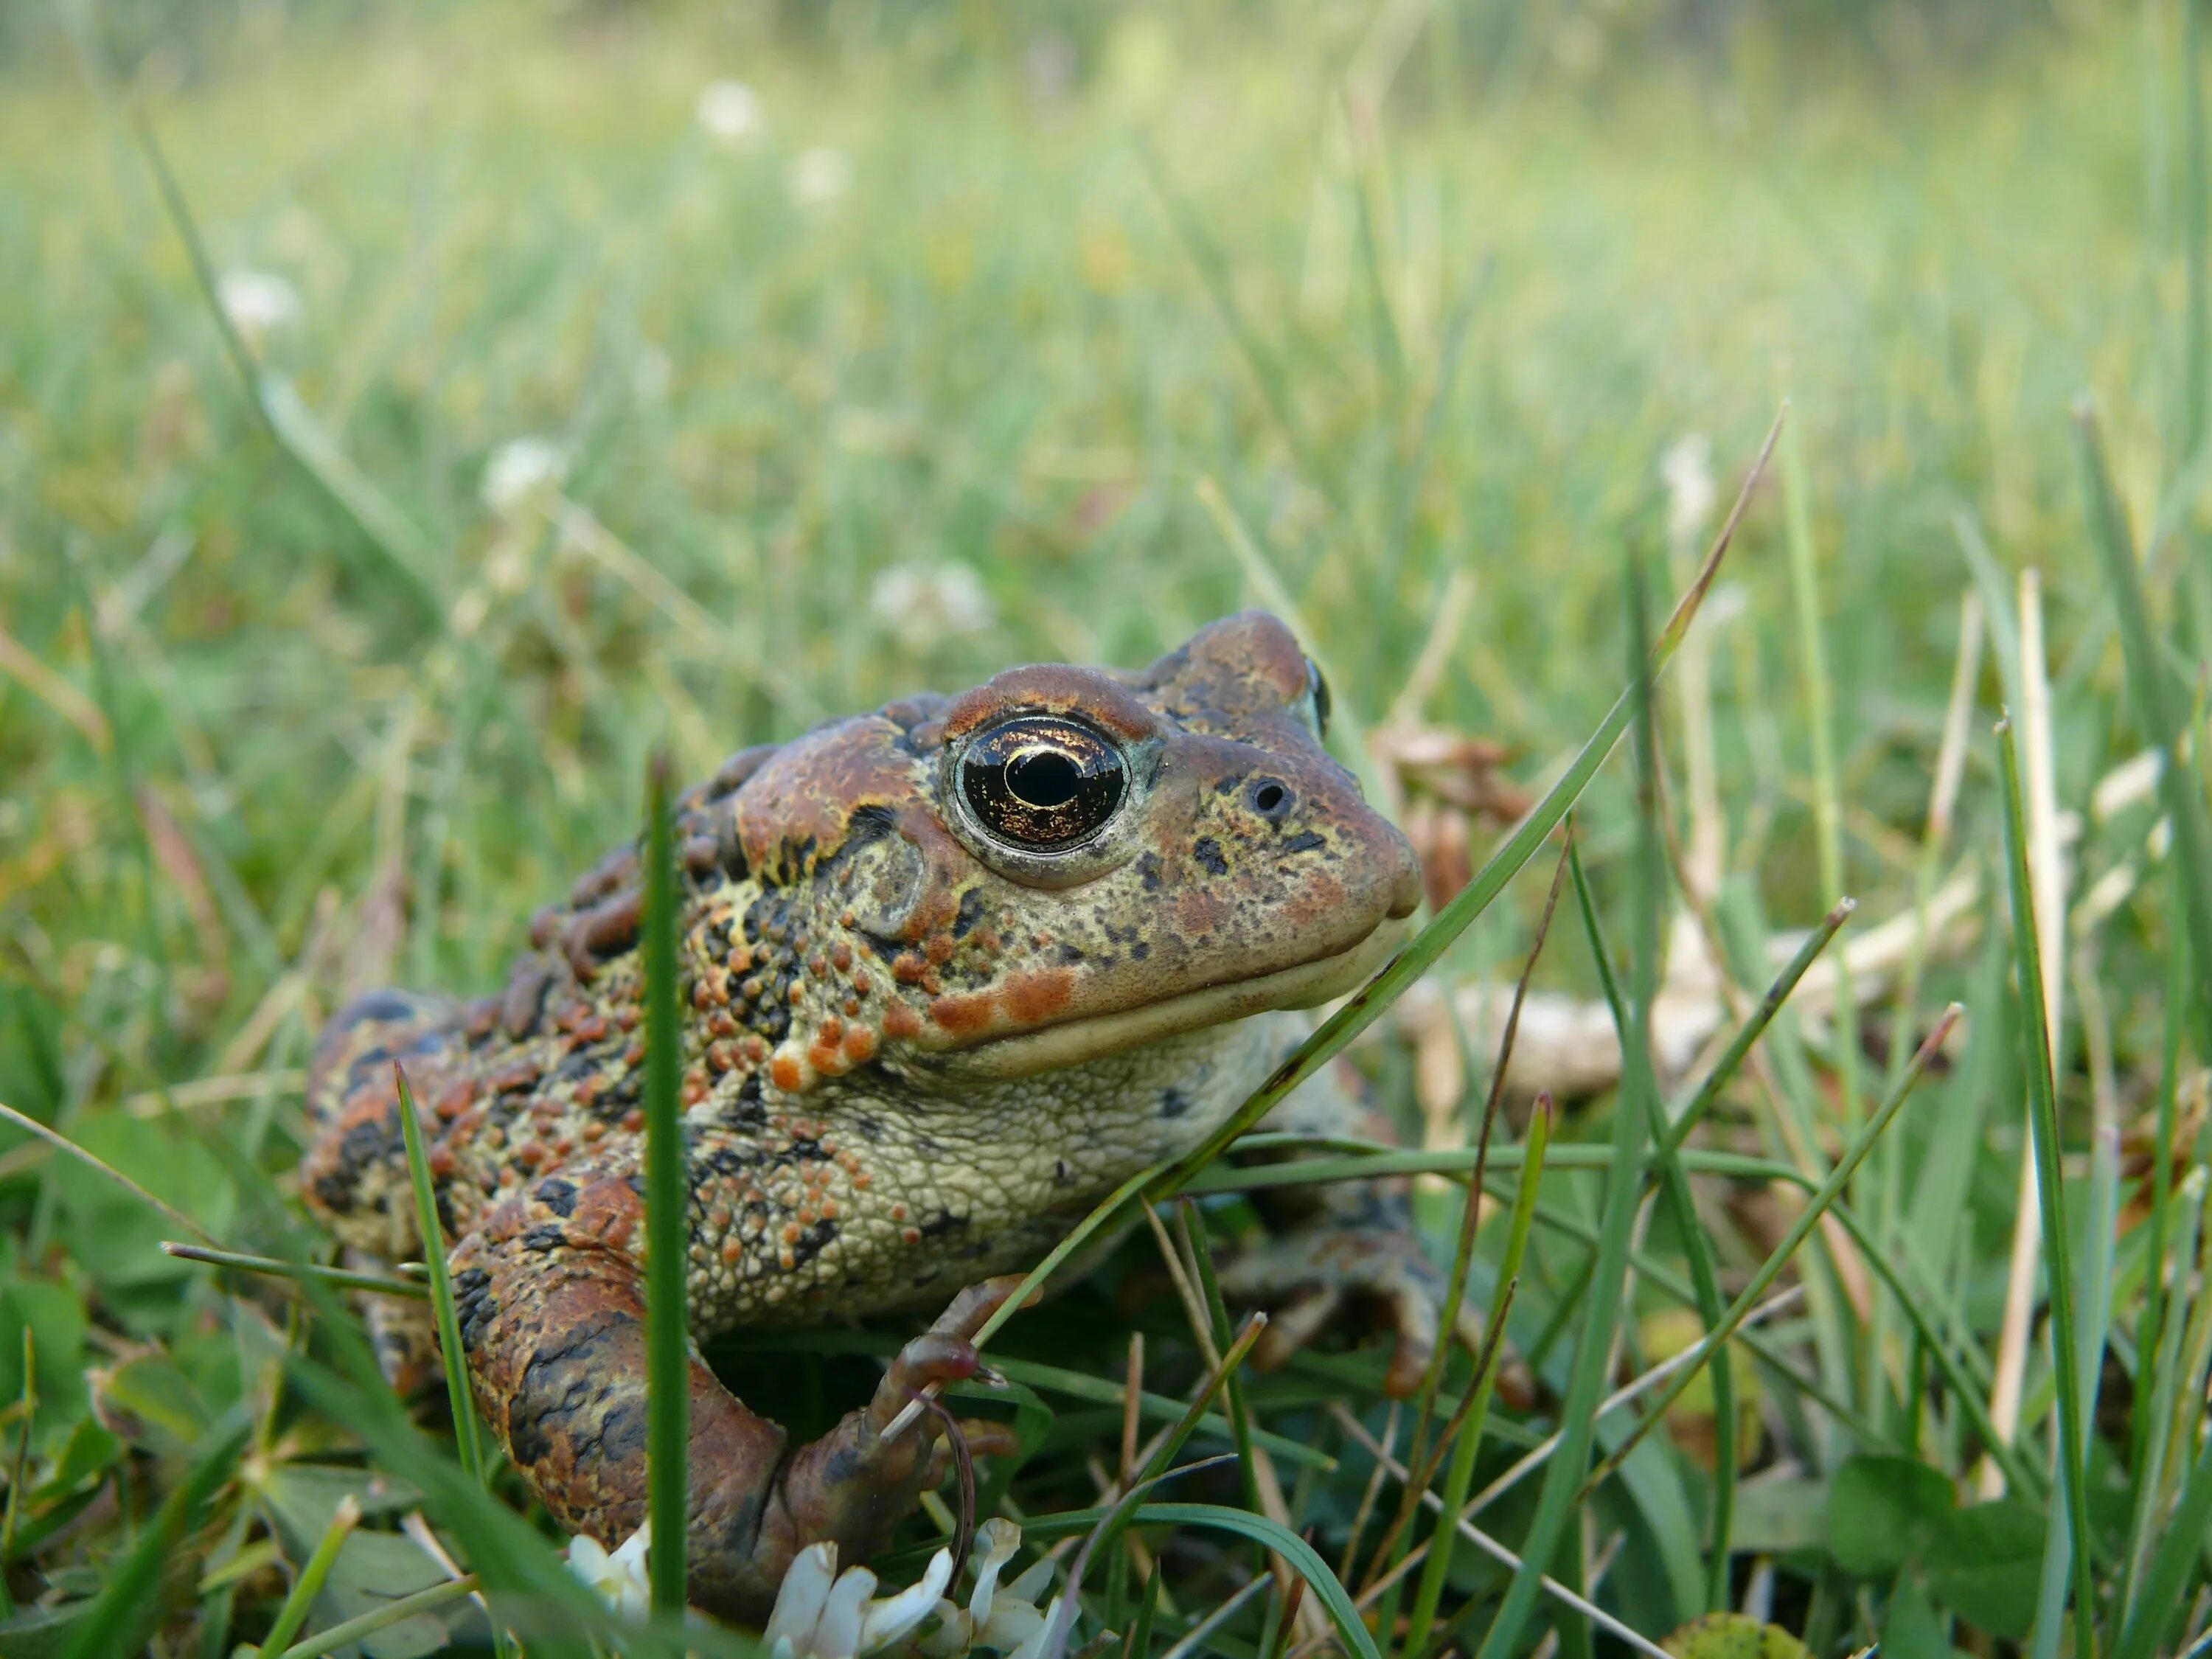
x=286, y=710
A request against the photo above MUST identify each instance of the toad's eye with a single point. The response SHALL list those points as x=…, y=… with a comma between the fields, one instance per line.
x=1317, y=688
x=1040, y=782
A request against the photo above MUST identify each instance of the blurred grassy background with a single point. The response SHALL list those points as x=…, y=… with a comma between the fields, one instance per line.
x=924, y=366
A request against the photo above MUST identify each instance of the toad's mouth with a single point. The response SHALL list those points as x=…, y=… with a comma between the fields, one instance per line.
x=1056, y=1047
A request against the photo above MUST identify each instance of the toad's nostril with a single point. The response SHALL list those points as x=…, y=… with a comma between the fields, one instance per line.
x=1270, y=799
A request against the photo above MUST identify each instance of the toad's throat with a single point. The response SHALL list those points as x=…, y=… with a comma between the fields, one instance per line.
x=1073, y=1042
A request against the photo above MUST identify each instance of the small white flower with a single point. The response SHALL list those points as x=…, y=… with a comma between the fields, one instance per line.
x=820, y=176
x=257, y=303
x=798, y=1603
x=618, y=1579
x=730, y=113
x=999, y=1538
x=520, y=472
x=1687, y=472
x=1004, y=1619
x=899, y=1615
x=821, y=1614
x=924, y=602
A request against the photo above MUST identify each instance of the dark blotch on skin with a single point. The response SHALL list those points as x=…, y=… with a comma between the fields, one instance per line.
x=1173, y=1103
x=473, y=1303
x=1305, y=842
x=557, y=1196
x=813, y=1241
x=971, y=914
x=1208, y=852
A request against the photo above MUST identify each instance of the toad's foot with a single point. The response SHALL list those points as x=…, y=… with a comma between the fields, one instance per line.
x=856, y=1483
x=1311, y=1275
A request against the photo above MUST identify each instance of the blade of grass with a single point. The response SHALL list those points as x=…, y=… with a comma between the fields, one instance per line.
x=2028, y=952
x=62, y=1143
x=2047, y=888
x=1463, y=1434
x=1164, y=1453
x=368, y=1624
x=432, y=1231
x=309, y=1584
x=1190, y=1224
x=2150, y=1327
x=1685, y=1119
x=1139, y=1642
x=667, y=1339
x=343, y=1278
x=2095, y=1292
x=1603, y=1303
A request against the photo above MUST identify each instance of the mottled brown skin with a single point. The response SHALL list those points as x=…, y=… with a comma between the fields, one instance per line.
x=913, y=1057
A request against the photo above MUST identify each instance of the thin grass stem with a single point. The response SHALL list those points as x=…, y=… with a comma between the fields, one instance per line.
x=343, y=1278
x=668, y=1357
x=430, y=1228
x=2043, y=1121
x=309, y=1584
x=1463, y=1434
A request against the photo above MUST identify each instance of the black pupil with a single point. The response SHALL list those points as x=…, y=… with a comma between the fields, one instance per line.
x=1041, y=782
x=1044, y=777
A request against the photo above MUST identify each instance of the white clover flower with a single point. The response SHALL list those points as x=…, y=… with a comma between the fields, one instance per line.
x=820, y=1614
x=820, y=176
x=257, y=303
x=618, y=1579
x=730, y=113
x=923, y=604
x=1686, y=469
x=1004, y=1620
x=520, y=472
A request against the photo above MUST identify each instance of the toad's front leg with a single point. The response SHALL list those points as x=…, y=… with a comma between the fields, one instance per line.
x=553, y=1321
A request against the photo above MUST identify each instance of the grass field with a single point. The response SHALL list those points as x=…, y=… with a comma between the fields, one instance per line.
x=555, y=425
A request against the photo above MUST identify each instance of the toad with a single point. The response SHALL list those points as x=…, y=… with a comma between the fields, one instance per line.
x=951, y=972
